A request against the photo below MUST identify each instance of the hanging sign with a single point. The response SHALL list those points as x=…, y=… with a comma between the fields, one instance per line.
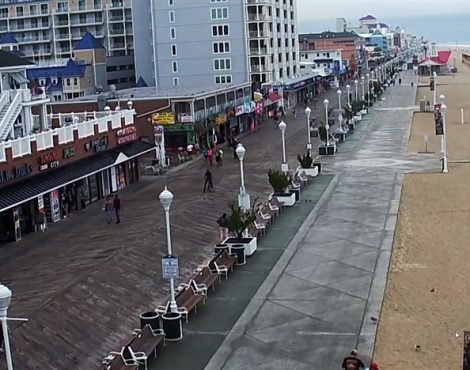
x=170, y=267
x=126, y=135
x=239, y=110
x=438, y=120
x=164, y=118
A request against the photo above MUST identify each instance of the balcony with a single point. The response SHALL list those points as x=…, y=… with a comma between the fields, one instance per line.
x=257, y=68
x=260, y=34
x=116, y=18
x=62, y=36
x=35, y=38
x=258, y=17
x=86, y=21
x=261, y=2
x=117, y=31
x=264, y=50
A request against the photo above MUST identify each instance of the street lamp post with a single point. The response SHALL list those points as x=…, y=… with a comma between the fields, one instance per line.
x=348, y=89
x=339, y=92
x=284, y=165
x=243, y=198
x=355, y=85
x=5, y=300
x=435, y=89
x=308, y=111
x=362, y=84
x=443, y=136
x=368, y=90
x=327, y=126
x=166, y=198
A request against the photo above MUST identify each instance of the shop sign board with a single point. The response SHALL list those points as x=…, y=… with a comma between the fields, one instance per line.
x=68, y=152
x=239, y=110
x=164, y=118
x=49, y=160
x=55, y=206
x=126, y=135
x=15, y=173
x=40, y=202
x=220, y=119
x=98, y=145
x=170, y=267
x=185, y=118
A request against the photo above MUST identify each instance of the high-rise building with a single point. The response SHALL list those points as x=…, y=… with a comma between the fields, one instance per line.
x=205, y=42
x=47, y=31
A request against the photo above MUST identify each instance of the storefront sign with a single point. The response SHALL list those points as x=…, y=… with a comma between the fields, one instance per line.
x=97, y=145
x=15, y=173
x=249, y=106
x=40, y=203
x=259, y=108
x=68, y=152
x=165, y=118
x=126, y=135
x=185, y=118
x=239, y=110
x=49, y=160
x=220, y=119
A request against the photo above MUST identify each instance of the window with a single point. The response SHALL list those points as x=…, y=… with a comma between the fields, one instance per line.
x=220, y=30
x=222, y=64
x=219, y=13
x=173, y=50
x=171, y=16
x=42, y=81
x=172, y=33
x=176, y=81
x=32, y=10
x=19, y=11
x=44, y=8
x=54, y=80
x=4, y=13
x=171, y=2
x=68, y=81
x=223, y=79
x=221, y=47
x=75, y=81
x=174, y=66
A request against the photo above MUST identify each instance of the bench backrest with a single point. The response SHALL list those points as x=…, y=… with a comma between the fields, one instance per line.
x=145, y=336
x=184, y=296
x=275, y=202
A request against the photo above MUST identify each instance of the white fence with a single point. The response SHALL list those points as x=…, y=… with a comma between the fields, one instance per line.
x=45, y=140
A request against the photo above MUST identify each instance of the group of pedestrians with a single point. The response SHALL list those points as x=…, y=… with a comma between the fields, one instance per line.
x=112, y=206
x=210, y=153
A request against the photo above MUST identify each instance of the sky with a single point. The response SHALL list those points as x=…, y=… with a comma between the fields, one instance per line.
x=352, y=9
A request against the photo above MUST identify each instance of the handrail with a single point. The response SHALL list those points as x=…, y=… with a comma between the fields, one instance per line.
x=3, y=99
x=8, y=118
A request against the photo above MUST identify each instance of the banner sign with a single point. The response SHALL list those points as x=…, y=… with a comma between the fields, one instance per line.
x=438, y=120
x=170, y=267
x=164, y=118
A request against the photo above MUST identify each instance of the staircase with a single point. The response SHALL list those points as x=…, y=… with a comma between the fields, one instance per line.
x=8, y=115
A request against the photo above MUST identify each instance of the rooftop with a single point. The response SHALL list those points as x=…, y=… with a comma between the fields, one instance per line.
x=368, y=17
x=8, y=38
x=70, y=69
x=327, y=35
x=8, y=59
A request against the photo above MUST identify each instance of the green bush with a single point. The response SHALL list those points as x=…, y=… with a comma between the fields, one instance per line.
x=278, y=180
x=305, y=160
x=239, y=220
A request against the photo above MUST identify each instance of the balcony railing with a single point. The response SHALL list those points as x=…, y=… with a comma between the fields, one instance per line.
x=260, y=34
x=68, y=124
x=258, y=17
x=259, y=51
x=267, y=2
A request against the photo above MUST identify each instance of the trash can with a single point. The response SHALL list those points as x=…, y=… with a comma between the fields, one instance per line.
x=318, y=164
x=220, y=247
x=172, y=326
x=150, y=318
x=239, y=251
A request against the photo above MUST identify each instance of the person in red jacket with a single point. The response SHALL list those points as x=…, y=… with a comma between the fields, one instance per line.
x=352, y=362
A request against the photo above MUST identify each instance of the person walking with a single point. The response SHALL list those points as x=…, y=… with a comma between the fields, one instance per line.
x=295, y=113
x=208, y=185
x=210, y=156
x=223, y=227
x=352, y=362
x=117, y=208
x=412, y=84
x=218, y=157
x=399, y=82
x=108, y=208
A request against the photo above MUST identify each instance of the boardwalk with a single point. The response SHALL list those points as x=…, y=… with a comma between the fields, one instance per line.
x=83, y=283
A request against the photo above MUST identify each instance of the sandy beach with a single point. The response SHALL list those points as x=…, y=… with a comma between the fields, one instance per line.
x=426, y=300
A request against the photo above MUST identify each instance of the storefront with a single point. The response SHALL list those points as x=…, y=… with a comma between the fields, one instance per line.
x=177, y=134
x=65, y=189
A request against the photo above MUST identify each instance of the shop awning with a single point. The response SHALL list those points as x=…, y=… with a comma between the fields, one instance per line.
x=33, y=187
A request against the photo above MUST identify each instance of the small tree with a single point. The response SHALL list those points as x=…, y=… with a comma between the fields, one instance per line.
x=305, y=160
x=239, y=220
x=278, y=180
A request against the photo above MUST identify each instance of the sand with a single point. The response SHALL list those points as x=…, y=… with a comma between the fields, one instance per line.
x=427, y=298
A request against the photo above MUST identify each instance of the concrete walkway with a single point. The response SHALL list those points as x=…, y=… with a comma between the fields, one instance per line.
x=317, y=303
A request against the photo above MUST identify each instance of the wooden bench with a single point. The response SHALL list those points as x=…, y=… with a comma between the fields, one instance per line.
x=118, y=364
x=114, y=360
x=227, y=260
x=186, y=301
x=206, y=277
x=274, y=204
x=147, y=341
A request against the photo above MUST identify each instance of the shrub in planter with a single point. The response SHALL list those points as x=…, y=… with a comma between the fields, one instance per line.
x=239, y=220
x=322, y=133
x=279, y=181
x=305, y=160
x=348, y=112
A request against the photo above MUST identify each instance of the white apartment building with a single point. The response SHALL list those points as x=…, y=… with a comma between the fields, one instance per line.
x=193, y=43
x=48, y=30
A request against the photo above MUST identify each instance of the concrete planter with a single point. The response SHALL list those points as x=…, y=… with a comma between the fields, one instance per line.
x=363, y=111
x=287, y=200
x=312, y=172
x=357, y=117
x=250, y=244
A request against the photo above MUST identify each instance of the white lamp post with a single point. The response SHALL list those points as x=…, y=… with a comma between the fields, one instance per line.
x=339, y=92
x=443, y=136
x=130, y=104
x=435, y=89
x=368, y=89
x=5, y=299
x=243, y=198
x=284, y=165
x=355, y=85
x=166, y=198
x=308, y=111
x=327, y=126
x=348, y=89
x=362, y=84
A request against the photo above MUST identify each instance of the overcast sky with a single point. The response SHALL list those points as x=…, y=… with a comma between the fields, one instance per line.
x=353, y=10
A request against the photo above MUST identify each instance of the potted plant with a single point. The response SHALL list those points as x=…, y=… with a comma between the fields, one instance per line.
x=306, y=164
x=238, y=223
x=325, y=149
x=280, y=182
